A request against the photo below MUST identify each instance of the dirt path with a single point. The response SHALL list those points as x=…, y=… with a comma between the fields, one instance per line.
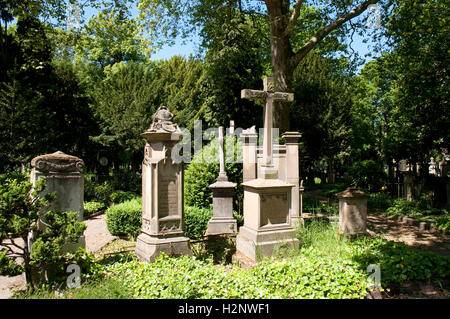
x=96, y=236
x=391, y=229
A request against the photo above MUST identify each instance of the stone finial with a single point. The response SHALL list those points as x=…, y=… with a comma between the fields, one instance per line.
x=57, y=162
x=162, y=121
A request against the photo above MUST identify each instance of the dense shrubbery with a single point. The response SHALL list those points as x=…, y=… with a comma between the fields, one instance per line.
x=204, y=170
x=92, y=207
x=125, y=218
x=196, y=221
x=368, y=175
x=122, y=196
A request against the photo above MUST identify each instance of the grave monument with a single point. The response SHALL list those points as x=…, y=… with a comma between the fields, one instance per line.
x=162, y=192
x=222, y=220
x=267, y=199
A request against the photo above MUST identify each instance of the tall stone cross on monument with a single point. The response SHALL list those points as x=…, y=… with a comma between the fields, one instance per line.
x=268, y=96
x=267, y=199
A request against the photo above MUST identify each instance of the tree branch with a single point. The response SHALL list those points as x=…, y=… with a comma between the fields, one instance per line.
x=303, y=51
x=294, y=18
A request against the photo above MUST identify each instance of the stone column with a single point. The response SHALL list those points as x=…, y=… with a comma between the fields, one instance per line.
x=292, y=172
x=162, y=192
x=63, y=175
x=408, y=185
x=353, y=211
x=249, y=154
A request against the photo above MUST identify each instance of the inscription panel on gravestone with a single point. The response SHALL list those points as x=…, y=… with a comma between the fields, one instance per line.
x=274, y=209
x=168, y=191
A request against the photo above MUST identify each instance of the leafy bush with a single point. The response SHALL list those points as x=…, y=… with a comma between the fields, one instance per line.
x=122, y=196
x=368, y=175
x=92, y=207
x=103, y=191
x=196, y=221
x=22, y=208
x=125, y=218
x=204, y=170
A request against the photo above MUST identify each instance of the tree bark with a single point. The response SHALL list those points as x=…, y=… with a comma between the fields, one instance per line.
x=284, y=60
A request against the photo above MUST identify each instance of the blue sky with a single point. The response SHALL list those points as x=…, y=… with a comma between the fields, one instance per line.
x=190, y=47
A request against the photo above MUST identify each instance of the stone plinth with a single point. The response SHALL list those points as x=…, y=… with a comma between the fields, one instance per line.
x=162, y=193
x=222, y=221
x=63, y=176
x=267, y=204
x=353, y=211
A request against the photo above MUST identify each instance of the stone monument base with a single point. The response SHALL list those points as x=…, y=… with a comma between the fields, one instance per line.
x=217, y=225
x=262, y=243
x=149, y=247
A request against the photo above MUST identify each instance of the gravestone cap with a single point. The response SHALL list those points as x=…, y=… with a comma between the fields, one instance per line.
x=352, y=192
x=57, y=162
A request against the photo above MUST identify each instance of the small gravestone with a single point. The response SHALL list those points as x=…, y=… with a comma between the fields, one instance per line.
x=63, y=176
x=162, y=192
x=408, y=185
x=222, y=221
x=353, y=211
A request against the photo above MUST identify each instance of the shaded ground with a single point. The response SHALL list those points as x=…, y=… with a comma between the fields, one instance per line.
x=392, y=230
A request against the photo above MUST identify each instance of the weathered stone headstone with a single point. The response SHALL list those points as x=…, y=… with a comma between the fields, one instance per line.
x=267, y=199
x=63, y=176
x=352, y=211
x=162, y=192
x=222, y=221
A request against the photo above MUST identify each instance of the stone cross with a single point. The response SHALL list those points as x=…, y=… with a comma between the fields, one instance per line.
x=222, y=173
x=268, y=96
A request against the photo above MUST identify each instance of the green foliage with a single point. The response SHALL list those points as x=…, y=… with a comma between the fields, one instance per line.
x=125, y=218
x=321, y=111
x=399, y=263
x=187, y=277
x=196, y=221
x=421, y=210
x=368, y=175
x=92, y=207
x=118, y=197
x=204, y=170
x=103, y=191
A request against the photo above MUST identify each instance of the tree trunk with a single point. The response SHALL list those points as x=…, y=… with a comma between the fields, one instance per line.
x=282, y=53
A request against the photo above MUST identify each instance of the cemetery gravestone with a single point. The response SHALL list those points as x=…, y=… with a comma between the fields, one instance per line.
x=222, y=221
x=162, y=192
x=352, y=211
x=267, y=199
x=63, y=176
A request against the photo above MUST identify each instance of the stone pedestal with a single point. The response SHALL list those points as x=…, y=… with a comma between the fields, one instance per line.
x=267, y=204
x=63, y=175
x=162, y=193
x=222, y=221
x=353, y=211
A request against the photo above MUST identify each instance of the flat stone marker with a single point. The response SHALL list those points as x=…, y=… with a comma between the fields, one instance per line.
x=267, y=200
x=162, y=192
